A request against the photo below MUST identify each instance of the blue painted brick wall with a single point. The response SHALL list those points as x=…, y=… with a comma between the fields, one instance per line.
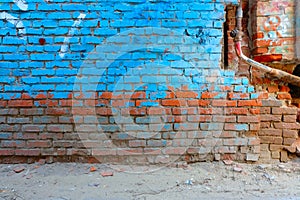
x=56, y=34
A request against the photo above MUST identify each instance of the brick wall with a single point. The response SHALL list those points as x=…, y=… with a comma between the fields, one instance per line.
x=129, y=81
x=271, y=27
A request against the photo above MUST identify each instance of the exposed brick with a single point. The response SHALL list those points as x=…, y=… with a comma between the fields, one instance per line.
x=234, y=96
x=59, y=128
x=7, y=152
x=3, y=104
x=20, y=103
x=199, y=118
x=137, y=143
x=12, y=143
x=46, y=103
x=104, y=111
x=9, y=111
x=276, y=147
x=220, y=118
x=263, y=95
x=254, y=111
x=174, y=150
x=182, y=94
x=137, y=95
x=209, y=95
x=186, y=126
x=63, y=144
x=78, y=111
x=252, y=157
x=267, y=58
x=273, y=88
x=135, y=111
x=18, y=120
x=195, y=102
x=271, y=103
x=45, y=119
x=271, y=140
x=258, y=35
x=275, y=154
x=265, y=124
x=249, y=103
x=210, y=111
x=9, y=128
x=265, y=110
x=260, y=50
x=236, y=127
x=284, y=95
x=226, y=150
x=281, y=125
x=31, y=111
x=289, y=118
x=285, y=111
x=236, y=111
x=224, y=103
x=254, y=141
x=109, y=95
x=183, y=111
x=160, y=111
x=288, y=141
x=104, y=152
x=39, y=144
x=284, y=88
x=152, y=151
x=271, y=118
x=174, y=102
x=255, y=127
x=284, y=156
x=129, y=152
x=270, y=132
x=248, y=119
x=33, y=128
x=290, y=133
x=27, y=152
x=228, y=134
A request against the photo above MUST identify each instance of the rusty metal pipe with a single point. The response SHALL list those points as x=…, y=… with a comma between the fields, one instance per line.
x=271, y=72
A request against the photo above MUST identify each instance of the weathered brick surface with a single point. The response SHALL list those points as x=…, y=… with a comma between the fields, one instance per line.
x=273, y=34
x=132, y=80
x=279, y=129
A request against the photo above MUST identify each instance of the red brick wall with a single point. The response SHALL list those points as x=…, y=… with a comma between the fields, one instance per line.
x=270, y=26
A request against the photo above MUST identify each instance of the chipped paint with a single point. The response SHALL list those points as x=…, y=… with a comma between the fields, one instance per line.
x=64, y=48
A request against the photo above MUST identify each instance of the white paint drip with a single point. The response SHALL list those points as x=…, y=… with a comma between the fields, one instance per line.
x=21, y=4
x=64, y=48
x=13, y=20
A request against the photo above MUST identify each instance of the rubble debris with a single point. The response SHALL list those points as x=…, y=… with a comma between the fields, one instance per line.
x=19, y=169
x=268, y=176
x=228, y=162
x=107, y=173
x=93, y=169
x=295, y=147
x=190, y=182
x=94, y=184
x=42, y=161
x=237, y=169
x=261, y=167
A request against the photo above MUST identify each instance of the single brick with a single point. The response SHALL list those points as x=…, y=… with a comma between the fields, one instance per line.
x=270, y=132
x=290, y=133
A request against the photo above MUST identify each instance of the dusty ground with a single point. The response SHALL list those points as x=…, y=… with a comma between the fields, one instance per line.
x=198, y=181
